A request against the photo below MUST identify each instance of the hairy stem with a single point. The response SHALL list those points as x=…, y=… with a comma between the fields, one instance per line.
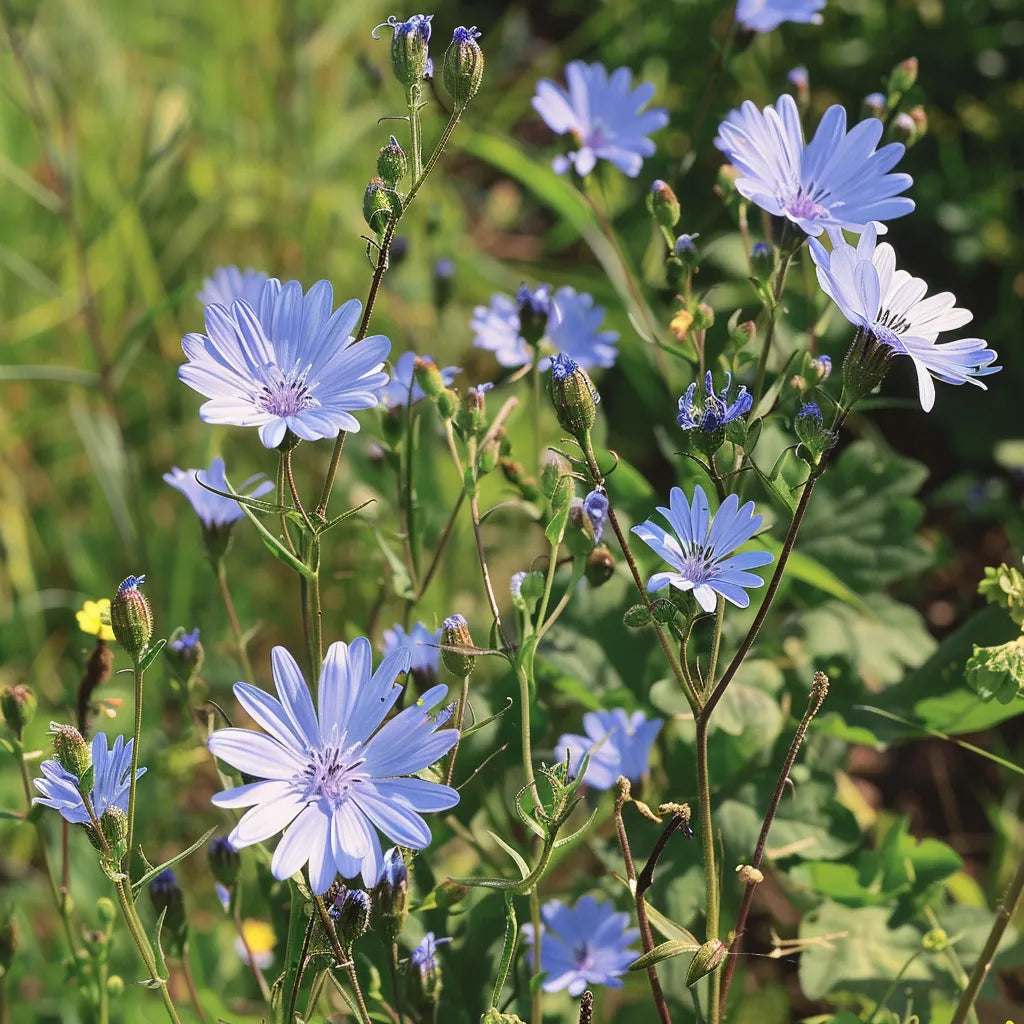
x=236, y=628
x=133, y=779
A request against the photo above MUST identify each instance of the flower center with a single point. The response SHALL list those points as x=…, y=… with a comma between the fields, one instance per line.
x=887, y=335
x=583, y=956
x=285, y=394
x=332, y=773
x=696, y=565
x=803, y=207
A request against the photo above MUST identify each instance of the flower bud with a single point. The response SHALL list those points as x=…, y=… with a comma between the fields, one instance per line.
x=810, y=428
x=762, y=261
x=167, y=898
x=553, y=468
x=471, y=419
x=225, y=862
x=686, y=250
x=707, y=958
x=743, y=333
x=428, y=376
x=725, y=185
x=579, y=535
x=351, y=913
x=455, y=633
x=131, y=618
x=72, y=752
x=463, y=65
x=903, y=129
x=798, y=382
x=920, y=116
x=534, y=310
x=390, y=897
x=449, y=894
x=704, y=316
x=380, y=204
x=115, y=985
x=873, y=105
x=18, y=704
x=114, y=828
x=822, y=366
x=410, y=57
x=447, y=403
x=392, y=163
x=184, y=654
x=800, y=83
x=903, y=76
x=600, y=565
x=487, y=458
x=444, y=274
x=663, y=205
x=573, y=395
x=106, y=910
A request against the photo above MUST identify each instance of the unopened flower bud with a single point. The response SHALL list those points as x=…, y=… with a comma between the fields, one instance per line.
x=392, y=163
x=798, y=383
x=410, y=56
x=553, y=468
x=600, y=565
x=920, y=116
x=455, y=633
x=167, y=898
x=115, y=985
x=703, y=316
x=470, y=418
x=380, y=204
x=389, y=904
x=463, y=65
x=351, y=912
x=428, y=376
x=487, y=457
x=873, y=105
x=447, y=403
x=686, y=250
x=663, y=205
x=114, y=828
x=534, y=310
x=762, y=261
x=725, y=185
x=903, y=76
x=225, y=862
x=18, y=704
x=573, y=395
x=800, y=83
x=707, y=958
x=184, y=654
x=131, y=618
x=743, y=333
x=106, y=910
x=810, y=428
x=72, y=752
x=822, y=366
x=903, y=129
x=449, y=894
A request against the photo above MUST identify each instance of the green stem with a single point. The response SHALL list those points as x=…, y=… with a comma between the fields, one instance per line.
x=527, y=748
x=460, y=715
x=133, y=778
x=396, y=988
x=236, y=628
x=766, y=346
x=415, y=130
x=190, y=984
x=708, y=854
x=104, y=996
x=442, y=543
x=716, y=643
x=344, y=960
x=536, y=999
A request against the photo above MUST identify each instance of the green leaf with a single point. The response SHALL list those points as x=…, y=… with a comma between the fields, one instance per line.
x=778, y=489
x=524, y=868
x=151, y=655
x=153, y=872
x=401, y=581
x=663, y=951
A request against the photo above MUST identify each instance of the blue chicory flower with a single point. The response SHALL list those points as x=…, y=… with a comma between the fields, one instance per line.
x=213, y=509
x=113, y=767
x=716, y=410
x=811, y=409
x=618, y=744
x=496, y=328
x=223, y=896
x=394, y=871
x=403, y=387
x=420, y=642
x=226, y=284
x=595, y=508
x=822, y=365
x=699, y=552
x=424, y=956
x=604, y=114
x=838, y=180
x=873, y=295
x=289, y=363
x=765, y=15
x=184, y=644
x=332, y=779
x=583, y=945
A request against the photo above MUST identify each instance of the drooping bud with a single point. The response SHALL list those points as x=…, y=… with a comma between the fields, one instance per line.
x=865, y=366
x=72, y=752
x=534, y=310
x=392, y=163
x=455, y=633
x=380, y=204
x=573, y=395
x=167, y=898
x=391, y=896
x=428, y=376
x=410, y=56
x=18, y=704
x=351, y=913
x=707, y=958
x=762, y=261
x=686, y=250
x=902, y=77
x=873, y=105
x=663, y=205
x=600, y=565
x=131, y=618
x=225, y=862
x=184, y=653
x=463, y=65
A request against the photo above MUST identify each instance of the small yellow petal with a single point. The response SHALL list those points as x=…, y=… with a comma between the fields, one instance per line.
x=681, y=324
x=259, y=936
x=94, y=619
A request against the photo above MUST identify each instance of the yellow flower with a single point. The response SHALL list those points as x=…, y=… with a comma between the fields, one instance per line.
x=681, y=324
x=259, y=937
x=94, y=619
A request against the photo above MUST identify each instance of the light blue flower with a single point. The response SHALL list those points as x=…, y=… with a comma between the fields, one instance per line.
x=699, y=552
x=420, y=642
x=872, y=294
x=765, y=15
x=838, y=180
x=604, y=114
x=618, y=744
x=110, y=787
x=185, y=644
x=424, y=956
x=289, y=363
x=573, y=327
x=595, y=508
x=226, y=284
x=213, y=509
x=402, y=387
x=332, y=780
x=716, y=410
x=583, y=945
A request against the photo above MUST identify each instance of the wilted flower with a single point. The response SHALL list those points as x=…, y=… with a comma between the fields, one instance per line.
x=110, y=786
x=604, y=114
x=716, y=410
x=699, y=552
x=890, y=304
x=595, y=508
x=403, y=387
x=582, y=945
x=214, y=510
x=226, y=284
x=765, y=15
x=838, y=180
x=94, y=619
x=332, y=781
x=288, y=363
x=618, y=744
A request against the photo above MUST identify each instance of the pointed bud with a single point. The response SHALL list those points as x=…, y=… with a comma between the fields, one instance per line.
x=810, y=428
x=389, y=905
x=903, y=76
x=225, y=862
x=184, y=654
x=114, y=829
x=553, y=468
x=573, y=395
x=600, y=565
x=428, y=376
x=762, y=261
x=18, y=704
x=449, y=894
x=455, y=633
x=487, y=457
x=447, y=403
x=743, y=333
x=380, y=204
x=663, y=205
x=167, y=898
x=471, y=418
x=392, y=163
x=351, y=912
x=72, y=752
x=131, y=618
x=463, y=65
x=708, y=957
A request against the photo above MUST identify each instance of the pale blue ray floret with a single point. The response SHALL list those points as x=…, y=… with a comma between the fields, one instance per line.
x=618, y=744
x=765, y=15
x=700, y=551
x=214, y=509
x=716, y=410
x=332, y=779
x=872, y=294
x=226, y=284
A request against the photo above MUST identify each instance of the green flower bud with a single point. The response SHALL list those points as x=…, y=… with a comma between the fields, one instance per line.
x=707, y=958
x=18, y=704
x=115, y=985
x=410, y=47
x=552, y=469
x=392, y=163
x=810, y=428
x=449, y=894
x=600, y=565
x=225, y=862
x=72, y=752
x=470, y=418
x=455, y=633
x=637, y=616
x=184, y=654
x=495, y=1016
x=106, y=910
x=380, y=204
x=762, y=261
x=463, y=65
x=167, y=898
x=903, y=129
x=447, y=403
x=114, y=828
x=743, y=333
x=428, y=376
x=574, y=396
x=903, y=76
x=920, y=116
x=703, y=317
x=487, y=459
x=131, y=618
x=663, y=205
x=351, y=913
x=389, y=904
